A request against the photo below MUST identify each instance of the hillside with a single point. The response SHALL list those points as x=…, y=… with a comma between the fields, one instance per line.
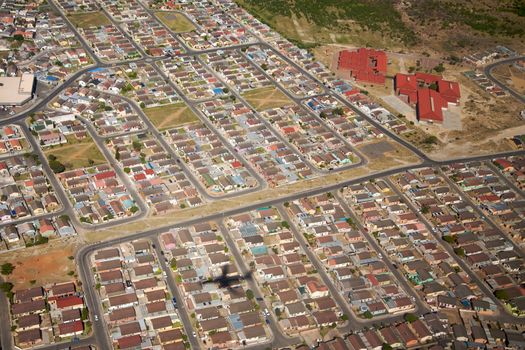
x=442, y=26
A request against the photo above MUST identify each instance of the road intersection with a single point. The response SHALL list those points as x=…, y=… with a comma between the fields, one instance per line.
x=100, y=336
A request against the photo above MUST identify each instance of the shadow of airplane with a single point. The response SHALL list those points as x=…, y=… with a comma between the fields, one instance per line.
x=225, y=281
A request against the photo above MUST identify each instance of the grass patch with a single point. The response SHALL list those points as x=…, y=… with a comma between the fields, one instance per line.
x=170, y=116
x=339, y=16
x=266, y=98
x=175, y=21
x=76, y=153
x=90, y=19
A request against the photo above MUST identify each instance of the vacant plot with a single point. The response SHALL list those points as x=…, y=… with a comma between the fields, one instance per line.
x=377, y=149
x=266, y=98
x=170, y=116
x=41, y=265
x=175, y=21
x=77, y=153
x=87, y=20
x=514, y=77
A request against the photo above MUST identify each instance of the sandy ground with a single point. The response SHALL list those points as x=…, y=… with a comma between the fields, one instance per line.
x=512, y=76
x=479, y=125
x=44, y=264
x=399, y=156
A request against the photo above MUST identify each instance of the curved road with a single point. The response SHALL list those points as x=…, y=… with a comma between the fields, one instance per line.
x=100, y=337
x=488, y=72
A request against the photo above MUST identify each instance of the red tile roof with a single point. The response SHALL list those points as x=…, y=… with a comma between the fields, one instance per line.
x=129, y=342
x=68, y=302
x=71, y=327
x=429, y=105
x=364, y=64
x=430, y=102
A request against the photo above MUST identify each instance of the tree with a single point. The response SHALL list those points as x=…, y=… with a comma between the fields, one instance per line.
x=249, y=294
x=501, y=294
x=285, y=224
x=56, y=166
x=117, y=154
x=137, y=146
x=449, y=239
x=439, y=68
x=367, y=314
x=410, y=317
x=7, y=269
x=430, y=140
x=134, y=209
x=173, y=264
x=18, y=37
x=6, y=287
x=459, y=252
x=425, y=209
x=339, y=111
x=85, y=314
x=386, y=346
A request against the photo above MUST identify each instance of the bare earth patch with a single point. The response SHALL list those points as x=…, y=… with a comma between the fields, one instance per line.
x=266, y=98
x=512, y=76
x=89, y=19
x=76, y=153
x=44, y=264
x=397, y=157
x=170, y=116
x=175, y=21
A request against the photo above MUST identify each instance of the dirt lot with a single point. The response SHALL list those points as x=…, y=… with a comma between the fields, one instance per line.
x=170, y=116
x=44, y=264
x=514, y=77
x=266, y=98
x=398, y=157
x=90, y=19
x=175, y=21
x=77, y=153
x=485, y=121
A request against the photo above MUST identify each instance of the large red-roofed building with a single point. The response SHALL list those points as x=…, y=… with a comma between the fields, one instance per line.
x=365, y=65
x=430, y=93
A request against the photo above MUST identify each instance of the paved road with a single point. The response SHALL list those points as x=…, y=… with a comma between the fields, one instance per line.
x=181, y=305
x=504, y=316
x=192, y=105
x=278, y=338
x=6, y=338
x=85, y=272
x=298, y=100
x=353, y=321
x=143, y=208
x=82, y=256
x=505, y=179
x=420, y=306
x=73, y=29
x=57, y=186
x=67, y=345
x=466, y=198
x=488, y=72
x=100, y=336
